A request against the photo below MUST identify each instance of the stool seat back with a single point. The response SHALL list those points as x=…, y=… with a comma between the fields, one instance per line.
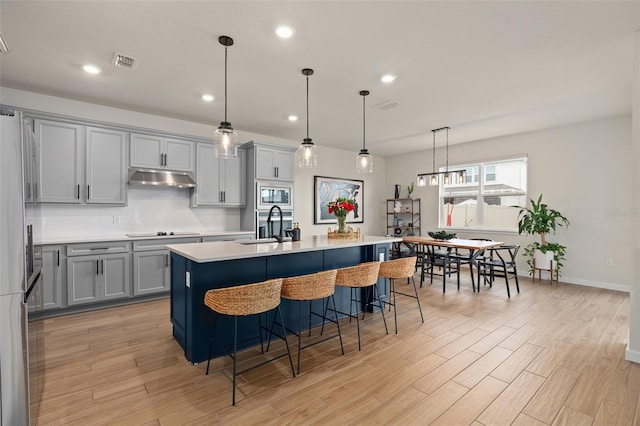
x=403, y=267
x=310, y=287
x=246, y=299
x=363, y=275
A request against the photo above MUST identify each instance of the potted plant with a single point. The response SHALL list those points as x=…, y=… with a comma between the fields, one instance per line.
x=539, y=219
x=410, y=190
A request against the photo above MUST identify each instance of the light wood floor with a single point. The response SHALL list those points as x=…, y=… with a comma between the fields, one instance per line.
x=550, y=355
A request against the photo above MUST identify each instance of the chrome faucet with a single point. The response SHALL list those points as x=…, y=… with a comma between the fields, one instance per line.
x=280, y=237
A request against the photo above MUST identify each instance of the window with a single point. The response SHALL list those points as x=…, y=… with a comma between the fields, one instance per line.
x=484, y=201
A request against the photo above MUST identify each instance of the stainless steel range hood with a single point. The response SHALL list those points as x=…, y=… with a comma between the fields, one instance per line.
x=161, y=178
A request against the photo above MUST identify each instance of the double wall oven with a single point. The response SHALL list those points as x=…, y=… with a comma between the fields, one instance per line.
x=269, y=194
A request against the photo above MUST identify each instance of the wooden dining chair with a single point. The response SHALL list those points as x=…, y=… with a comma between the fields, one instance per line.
x=500, y=262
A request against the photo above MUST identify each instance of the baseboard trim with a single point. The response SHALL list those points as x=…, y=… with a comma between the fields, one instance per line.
x=632, y=356
x=598, y=284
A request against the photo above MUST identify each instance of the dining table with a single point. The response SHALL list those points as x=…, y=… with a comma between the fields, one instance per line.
x=476, y=248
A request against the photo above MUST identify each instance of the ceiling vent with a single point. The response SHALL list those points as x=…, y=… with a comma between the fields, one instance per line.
x=123, y=61
x=387, y=105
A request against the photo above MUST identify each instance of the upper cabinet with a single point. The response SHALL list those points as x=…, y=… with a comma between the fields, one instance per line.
x=77, y=164
x=271, y=162
x=157, y=152
x=106, y=166
x=60, y=162
x=274, y=164
x=220, y=182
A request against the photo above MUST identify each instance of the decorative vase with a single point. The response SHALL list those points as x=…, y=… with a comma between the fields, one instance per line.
x=341, y=226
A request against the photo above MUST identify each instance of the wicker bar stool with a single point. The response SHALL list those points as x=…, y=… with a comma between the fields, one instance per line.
x=403, y=267
x=318, y=286
x=244, y=300
x=359, y=277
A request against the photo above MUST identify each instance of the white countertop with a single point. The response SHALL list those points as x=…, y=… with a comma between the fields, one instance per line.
x=123, y=237
x=229, y=250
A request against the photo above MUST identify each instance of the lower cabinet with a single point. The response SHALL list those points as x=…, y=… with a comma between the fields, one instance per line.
x=52, y=263
x=152, y=264
x=99, y=277
x=151, y=272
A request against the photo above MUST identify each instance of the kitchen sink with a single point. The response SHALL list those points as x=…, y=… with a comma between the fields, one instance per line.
x=261, y=241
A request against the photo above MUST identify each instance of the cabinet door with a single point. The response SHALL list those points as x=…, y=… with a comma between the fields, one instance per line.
x=114, y=276
x=150, y=272
x=52, y=276
x=284, y=165
x=265, y=163
x=179, y=155
x=207, y=193
x=106, y=166
x=233, y=178
x=60, y=162
x=30, y=163
x=146, y=151
x=82, y=280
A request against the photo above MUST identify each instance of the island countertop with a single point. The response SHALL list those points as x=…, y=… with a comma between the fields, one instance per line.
x=229, y=250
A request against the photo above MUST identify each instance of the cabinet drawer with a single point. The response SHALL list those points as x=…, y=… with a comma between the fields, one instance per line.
x=98, y=248
x=148, y=245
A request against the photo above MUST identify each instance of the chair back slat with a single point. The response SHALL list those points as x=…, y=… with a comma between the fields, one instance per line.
x=246, y=299
x=310, y=287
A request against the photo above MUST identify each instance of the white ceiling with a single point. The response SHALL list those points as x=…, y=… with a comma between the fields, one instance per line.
x=483, y=68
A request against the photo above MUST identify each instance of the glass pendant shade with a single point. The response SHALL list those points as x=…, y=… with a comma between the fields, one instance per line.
x=307, y=154
x=421, y=181
x=461, y=177
x=434, y=180
x=364, y=162
x=447, y=179
x=225, y=141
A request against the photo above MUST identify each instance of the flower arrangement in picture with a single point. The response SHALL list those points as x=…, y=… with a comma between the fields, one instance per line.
x=340, y=207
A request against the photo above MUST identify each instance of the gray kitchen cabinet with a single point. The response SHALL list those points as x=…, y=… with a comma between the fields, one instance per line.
x=157, y=152
x=220, y=182
x=101, y=276
x=59, y=161
x=152, y=264
x=106, y=166
x=273, y=163
x=52, y=264
x=30, y=164
x=77, y=164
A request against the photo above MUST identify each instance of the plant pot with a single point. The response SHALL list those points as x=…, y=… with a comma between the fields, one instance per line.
x=543, y=260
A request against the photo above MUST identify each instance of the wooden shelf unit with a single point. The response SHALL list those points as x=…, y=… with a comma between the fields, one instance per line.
x=403, y=219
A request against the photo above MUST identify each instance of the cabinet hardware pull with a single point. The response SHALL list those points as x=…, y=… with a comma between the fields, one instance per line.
x=58, y=257
x=88, y=192
x=161, y=159
x=29, y=191
x=78, y=197
x=99, y=248
x=97, y=267
x=166, y=260
x=102, y=266
x=224, y=196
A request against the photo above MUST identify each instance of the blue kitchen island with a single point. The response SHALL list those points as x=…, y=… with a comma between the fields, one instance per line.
x=196, y=268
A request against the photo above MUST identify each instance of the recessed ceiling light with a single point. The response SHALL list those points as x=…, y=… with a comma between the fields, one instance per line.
x=388, y=78
x=284, y=32
x=293, y=118
x=91, y=69
x=207, y=98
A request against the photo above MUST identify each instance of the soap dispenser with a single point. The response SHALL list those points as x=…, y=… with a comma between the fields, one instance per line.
x=295, y=232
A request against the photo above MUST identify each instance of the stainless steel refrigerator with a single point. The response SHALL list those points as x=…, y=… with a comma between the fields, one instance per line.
x=21, y=332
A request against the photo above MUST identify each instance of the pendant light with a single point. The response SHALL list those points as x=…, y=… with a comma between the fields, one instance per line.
x=456, y=176
x=225, y=139
x=307, y=156
x=364, y=161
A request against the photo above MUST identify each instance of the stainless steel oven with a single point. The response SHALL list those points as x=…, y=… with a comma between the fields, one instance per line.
x=270, y=194
x=262, y=227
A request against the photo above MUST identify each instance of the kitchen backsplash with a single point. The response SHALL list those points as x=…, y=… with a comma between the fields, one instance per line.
x=148, y=209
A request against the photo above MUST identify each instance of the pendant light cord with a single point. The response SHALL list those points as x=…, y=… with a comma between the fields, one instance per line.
x=307, y=107
x=364, y=122
x=434, y=152
x=225, y=84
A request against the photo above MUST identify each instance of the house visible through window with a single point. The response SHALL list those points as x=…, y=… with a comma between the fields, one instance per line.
x=484, y=201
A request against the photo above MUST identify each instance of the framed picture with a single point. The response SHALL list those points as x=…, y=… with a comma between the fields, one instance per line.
x=327, y=189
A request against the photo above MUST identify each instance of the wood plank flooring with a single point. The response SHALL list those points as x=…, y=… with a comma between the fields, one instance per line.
x=551, y=355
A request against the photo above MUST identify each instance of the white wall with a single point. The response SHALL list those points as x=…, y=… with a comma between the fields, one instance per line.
x=167, y=209
x=583, y=170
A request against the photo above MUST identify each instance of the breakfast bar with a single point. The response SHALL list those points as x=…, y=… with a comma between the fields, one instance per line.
x=196, y=268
